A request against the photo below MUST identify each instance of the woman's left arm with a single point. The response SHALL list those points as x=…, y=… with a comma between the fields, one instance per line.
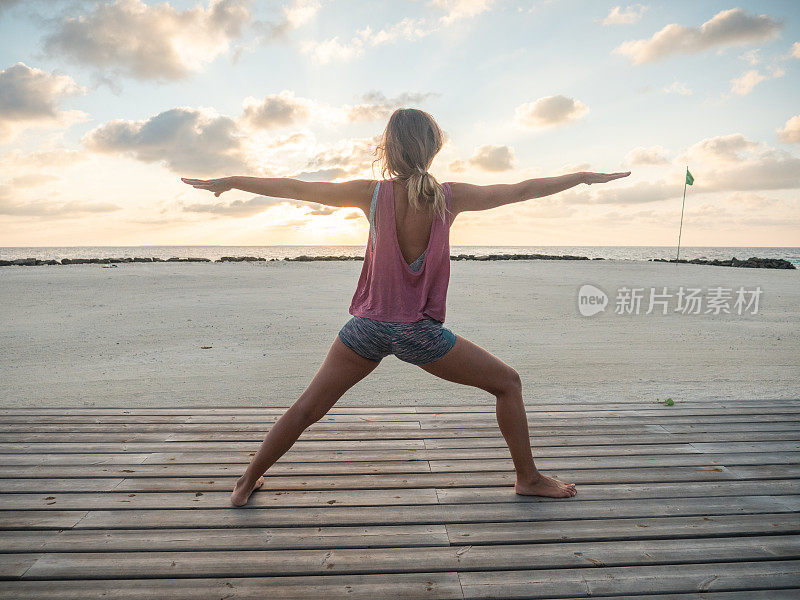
x=354, y=193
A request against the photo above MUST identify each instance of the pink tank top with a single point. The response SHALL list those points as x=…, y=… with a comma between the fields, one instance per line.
x=388, y=289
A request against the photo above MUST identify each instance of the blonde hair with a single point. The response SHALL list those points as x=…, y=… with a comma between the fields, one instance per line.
x=406, y=149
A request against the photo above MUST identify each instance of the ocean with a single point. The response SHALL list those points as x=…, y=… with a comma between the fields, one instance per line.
x=281, y=252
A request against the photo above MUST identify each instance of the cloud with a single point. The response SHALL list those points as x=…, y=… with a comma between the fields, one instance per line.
x=790, y=134
x=377, y=106
x=257, y=204
x=726, y=28
x=332, y=49
x=186, y=140
x=145, y=41
x=645, y=157
x=295, y=14
x=29, y=97
x=50, y=208
x=276, y=110
x=772, y=170
x=457, y=10
x=346, y=158
x=627, y=16
x=17, y=160
x=457, y=166
x=729, y=163
x=550, y=111
x=32, y=180
x=238, y=208
x=751, y=56
x=796, y=50
x=638, y=193
x=725, y=148
x=744, y=85
x=678, y=87
x=493, y=158
x=408, y=29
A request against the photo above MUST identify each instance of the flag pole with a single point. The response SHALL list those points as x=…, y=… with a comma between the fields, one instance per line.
x=681, y=227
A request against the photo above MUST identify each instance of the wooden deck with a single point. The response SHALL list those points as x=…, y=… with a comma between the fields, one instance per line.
x=695, y=500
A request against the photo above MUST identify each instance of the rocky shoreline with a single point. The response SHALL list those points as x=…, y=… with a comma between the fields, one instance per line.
x=753, y=262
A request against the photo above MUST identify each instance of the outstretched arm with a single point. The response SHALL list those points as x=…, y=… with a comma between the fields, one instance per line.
x=483, y=197
x=354, y=193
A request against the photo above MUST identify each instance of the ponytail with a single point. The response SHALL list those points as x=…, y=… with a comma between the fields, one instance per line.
x=423, y=188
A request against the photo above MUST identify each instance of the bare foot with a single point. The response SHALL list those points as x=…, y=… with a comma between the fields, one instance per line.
x=241, y=493
x=545, y=486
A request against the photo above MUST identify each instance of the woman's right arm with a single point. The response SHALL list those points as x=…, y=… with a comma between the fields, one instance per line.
x=468, y=197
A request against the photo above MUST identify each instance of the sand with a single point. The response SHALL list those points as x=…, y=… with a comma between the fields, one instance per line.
x=82, y=335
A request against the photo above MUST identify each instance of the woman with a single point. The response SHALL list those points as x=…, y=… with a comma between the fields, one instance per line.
x=399, y=304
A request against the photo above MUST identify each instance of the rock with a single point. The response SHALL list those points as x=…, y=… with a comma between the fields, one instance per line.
x=24, y=262
x=751, y=263
x=517, y=257
x=241, y=259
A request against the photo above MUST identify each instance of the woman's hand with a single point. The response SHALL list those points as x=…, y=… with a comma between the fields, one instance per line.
x=590, y=178
x=218, y=186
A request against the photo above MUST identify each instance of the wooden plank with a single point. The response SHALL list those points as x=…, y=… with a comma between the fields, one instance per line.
x=784, y=446
x=778, y=448
x=333, y=515
x=287, y=538
x=785, y=594
x=744, y=458
x=662, y=419
x=40, y=519
x=565, y=428
x=622, y=529
x=216, y=470
x=346, y=440
x=253, y=538
x=654, y=441
x=383, y=497
x=15, y=565
x=417, y=409
x=147, y=500
x=250, y=430
x=254, y=563
x=598, y=491
x=355, y=587
x=407, y=419
x=67, y=466
x=614, y=440
x=358, y=451
x=56, y=481
x=53, y=447
x=592, y=582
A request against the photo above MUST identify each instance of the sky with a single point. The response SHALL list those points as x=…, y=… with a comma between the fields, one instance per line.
x=105, y=105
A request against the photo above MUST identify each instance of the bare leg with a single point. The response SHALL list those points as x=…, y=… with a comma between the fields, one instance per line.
x=469, y=364
x=341, y=370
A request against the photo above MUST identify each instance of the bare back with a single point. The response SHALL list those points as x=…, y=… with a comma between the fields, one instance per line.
x=413, y=227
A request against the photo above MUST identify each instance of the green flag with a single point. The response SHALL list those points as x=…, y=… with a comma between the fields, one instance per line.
x=689, y=178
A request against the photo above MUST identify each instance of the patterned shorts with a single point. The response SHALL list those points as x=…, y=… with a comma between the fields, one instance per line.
x=417, y=343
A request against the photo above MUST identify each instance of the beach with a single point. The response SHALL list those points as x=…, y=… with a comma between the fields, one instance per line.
x=254, y=334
